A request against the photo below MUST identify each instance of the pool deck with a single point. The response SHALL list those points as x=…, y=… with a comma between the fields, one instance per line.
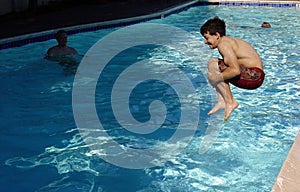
x=288, y=179
x=14, y=26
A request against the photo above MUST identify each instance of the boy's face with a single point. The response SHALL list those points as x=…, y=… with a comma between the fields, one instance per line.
x=62, y=39
x=211, y=40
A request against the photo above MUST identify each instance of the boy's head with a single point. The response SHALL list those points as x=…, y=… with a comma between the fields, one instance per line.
x=212, y=26
x=61, y=37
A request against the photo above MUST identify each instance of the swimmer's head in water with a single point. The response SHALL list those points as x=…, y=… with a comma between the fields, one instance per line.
x=266, y=25
x=61, y=37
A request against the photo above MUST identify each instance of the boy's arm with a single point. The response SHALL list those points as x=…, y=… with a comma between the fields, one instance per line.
x=230, y=60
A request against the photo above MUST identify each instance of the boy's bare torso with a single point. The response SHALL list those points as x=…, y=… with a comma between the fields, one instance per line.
x=57, y=50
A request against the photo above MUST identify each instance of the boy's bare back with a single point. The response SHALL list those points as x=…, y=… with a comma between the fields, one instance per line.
x=243, y=51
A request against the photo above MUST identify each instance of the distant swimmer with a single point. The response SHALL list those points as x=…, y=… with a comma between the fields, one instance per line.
x=266, y=25
x=61, y=48
x=240, y=65
x=62, y=53
x=263, y=25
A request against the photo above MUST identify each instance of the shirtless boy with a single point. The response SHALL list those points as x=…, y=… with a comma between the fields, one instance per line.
x=240, y=65
x=61, y=48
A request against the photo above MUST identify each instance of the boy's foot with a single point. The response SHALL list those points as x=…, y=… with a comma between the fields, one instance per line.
x=217, y=107
x=229, y=108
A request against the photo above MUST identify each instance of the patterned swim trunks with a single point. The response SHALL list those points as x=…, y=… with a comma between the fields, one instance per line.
x=250, y=78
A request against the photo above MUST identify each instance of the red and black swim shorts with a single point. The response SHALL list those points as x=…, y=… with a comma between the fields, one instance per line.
x=250, y=78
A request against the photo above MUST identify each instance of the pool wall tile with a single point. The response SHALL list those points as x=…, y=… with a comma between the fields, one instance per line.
x=259, y=4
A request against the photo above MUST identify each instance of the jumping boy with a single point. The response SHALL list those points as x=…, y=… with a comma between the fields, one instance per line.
x=240, y=65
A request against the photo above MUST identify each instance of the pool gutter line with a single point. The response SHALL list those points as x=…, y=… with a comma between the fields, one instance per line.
x=160, y=14
x=259, y=1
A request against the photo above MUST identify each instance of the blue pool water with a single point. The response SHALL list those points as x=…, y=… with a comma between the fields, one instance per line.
x=42, y=149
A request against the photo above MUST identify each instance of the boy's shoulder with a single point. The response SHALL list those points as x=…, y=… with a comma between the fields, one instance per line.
x=52, y=49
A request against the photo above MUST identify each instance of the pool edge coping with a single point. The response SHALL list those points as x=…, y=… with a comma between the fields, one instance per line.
x=290, y=170
x=22, y=40
x=100, y=25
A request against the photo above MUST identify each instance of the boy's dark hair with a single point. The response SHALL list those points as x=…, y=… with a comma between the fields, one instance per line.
x=213, y=26
x=59, y=32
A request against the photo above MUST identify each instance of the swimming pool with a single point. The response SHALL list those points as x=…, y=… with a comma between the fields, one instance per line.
x=42, y=149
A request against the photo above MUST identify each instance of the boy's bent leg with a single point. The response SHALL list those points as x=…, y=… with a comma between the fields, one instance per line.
x=219, y=105
x=214, y=68
x=230, y=103
x=225, y=98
